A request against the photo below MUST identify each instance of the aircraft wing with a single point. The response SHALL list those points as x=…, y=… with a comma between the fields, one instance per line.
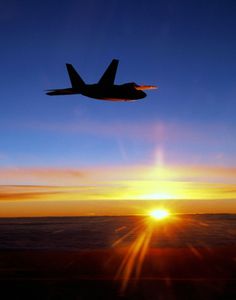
x=109, y=75
x=58, y=92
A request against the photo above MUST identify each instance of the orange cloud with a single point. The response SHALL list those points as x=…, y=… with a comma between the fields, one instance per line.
x=114, y=184
x=108, y=175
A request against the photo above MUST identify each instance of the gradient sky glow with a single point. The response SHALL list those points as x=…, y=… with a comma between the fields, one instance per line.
x=178, y=143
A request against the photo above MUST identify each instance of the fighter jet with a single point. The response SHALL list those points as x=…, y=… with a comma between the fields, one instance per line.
x=105, y=89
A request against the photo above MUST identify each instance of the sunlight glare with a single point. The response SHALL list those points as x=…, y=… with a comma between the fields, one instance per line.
x=159, y=214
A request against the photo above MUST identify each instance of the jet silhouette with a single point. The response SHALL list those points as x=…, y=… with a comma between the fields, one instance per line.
x=105, y=89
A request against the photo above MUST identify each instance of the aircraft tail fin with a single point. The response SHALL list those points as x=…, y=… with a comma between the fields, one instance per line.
x=109, y=75
x=76, y=80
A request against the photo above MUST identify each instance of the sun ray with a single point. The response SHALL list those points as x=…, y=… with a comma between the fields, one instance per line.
x=132, y=263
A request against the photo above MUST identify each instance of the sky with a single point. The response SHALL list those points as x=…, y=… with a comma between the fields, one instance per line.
x=73, y=155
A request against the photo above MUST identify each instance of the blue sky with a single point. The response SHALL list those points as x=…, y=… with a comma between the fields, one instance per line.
x=187, y=48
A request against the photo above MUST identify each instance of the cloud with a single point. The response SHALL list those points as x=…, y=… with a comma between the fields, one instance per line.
x=181, y=142
x=49, y=176
x=65, y=191
x=152, y=131
x=60, y=193
x=41, y=176
x=133, y=197
x=22, y=195
x=118, y=183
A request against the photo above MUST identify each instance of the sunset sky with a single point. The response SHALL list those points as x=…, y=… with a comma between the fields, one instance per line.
x=71, y=155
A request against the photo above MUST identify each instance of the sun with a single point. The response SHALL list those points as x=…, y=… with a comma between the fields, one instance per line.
x=159, y=214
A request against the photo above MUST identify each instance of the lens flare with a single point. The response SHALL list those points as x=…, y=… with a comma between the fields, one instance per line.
x=159, y=214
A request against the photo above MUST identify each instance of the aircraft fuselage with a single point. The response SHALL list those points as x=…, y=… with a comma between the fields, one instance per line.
x=123, y=92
